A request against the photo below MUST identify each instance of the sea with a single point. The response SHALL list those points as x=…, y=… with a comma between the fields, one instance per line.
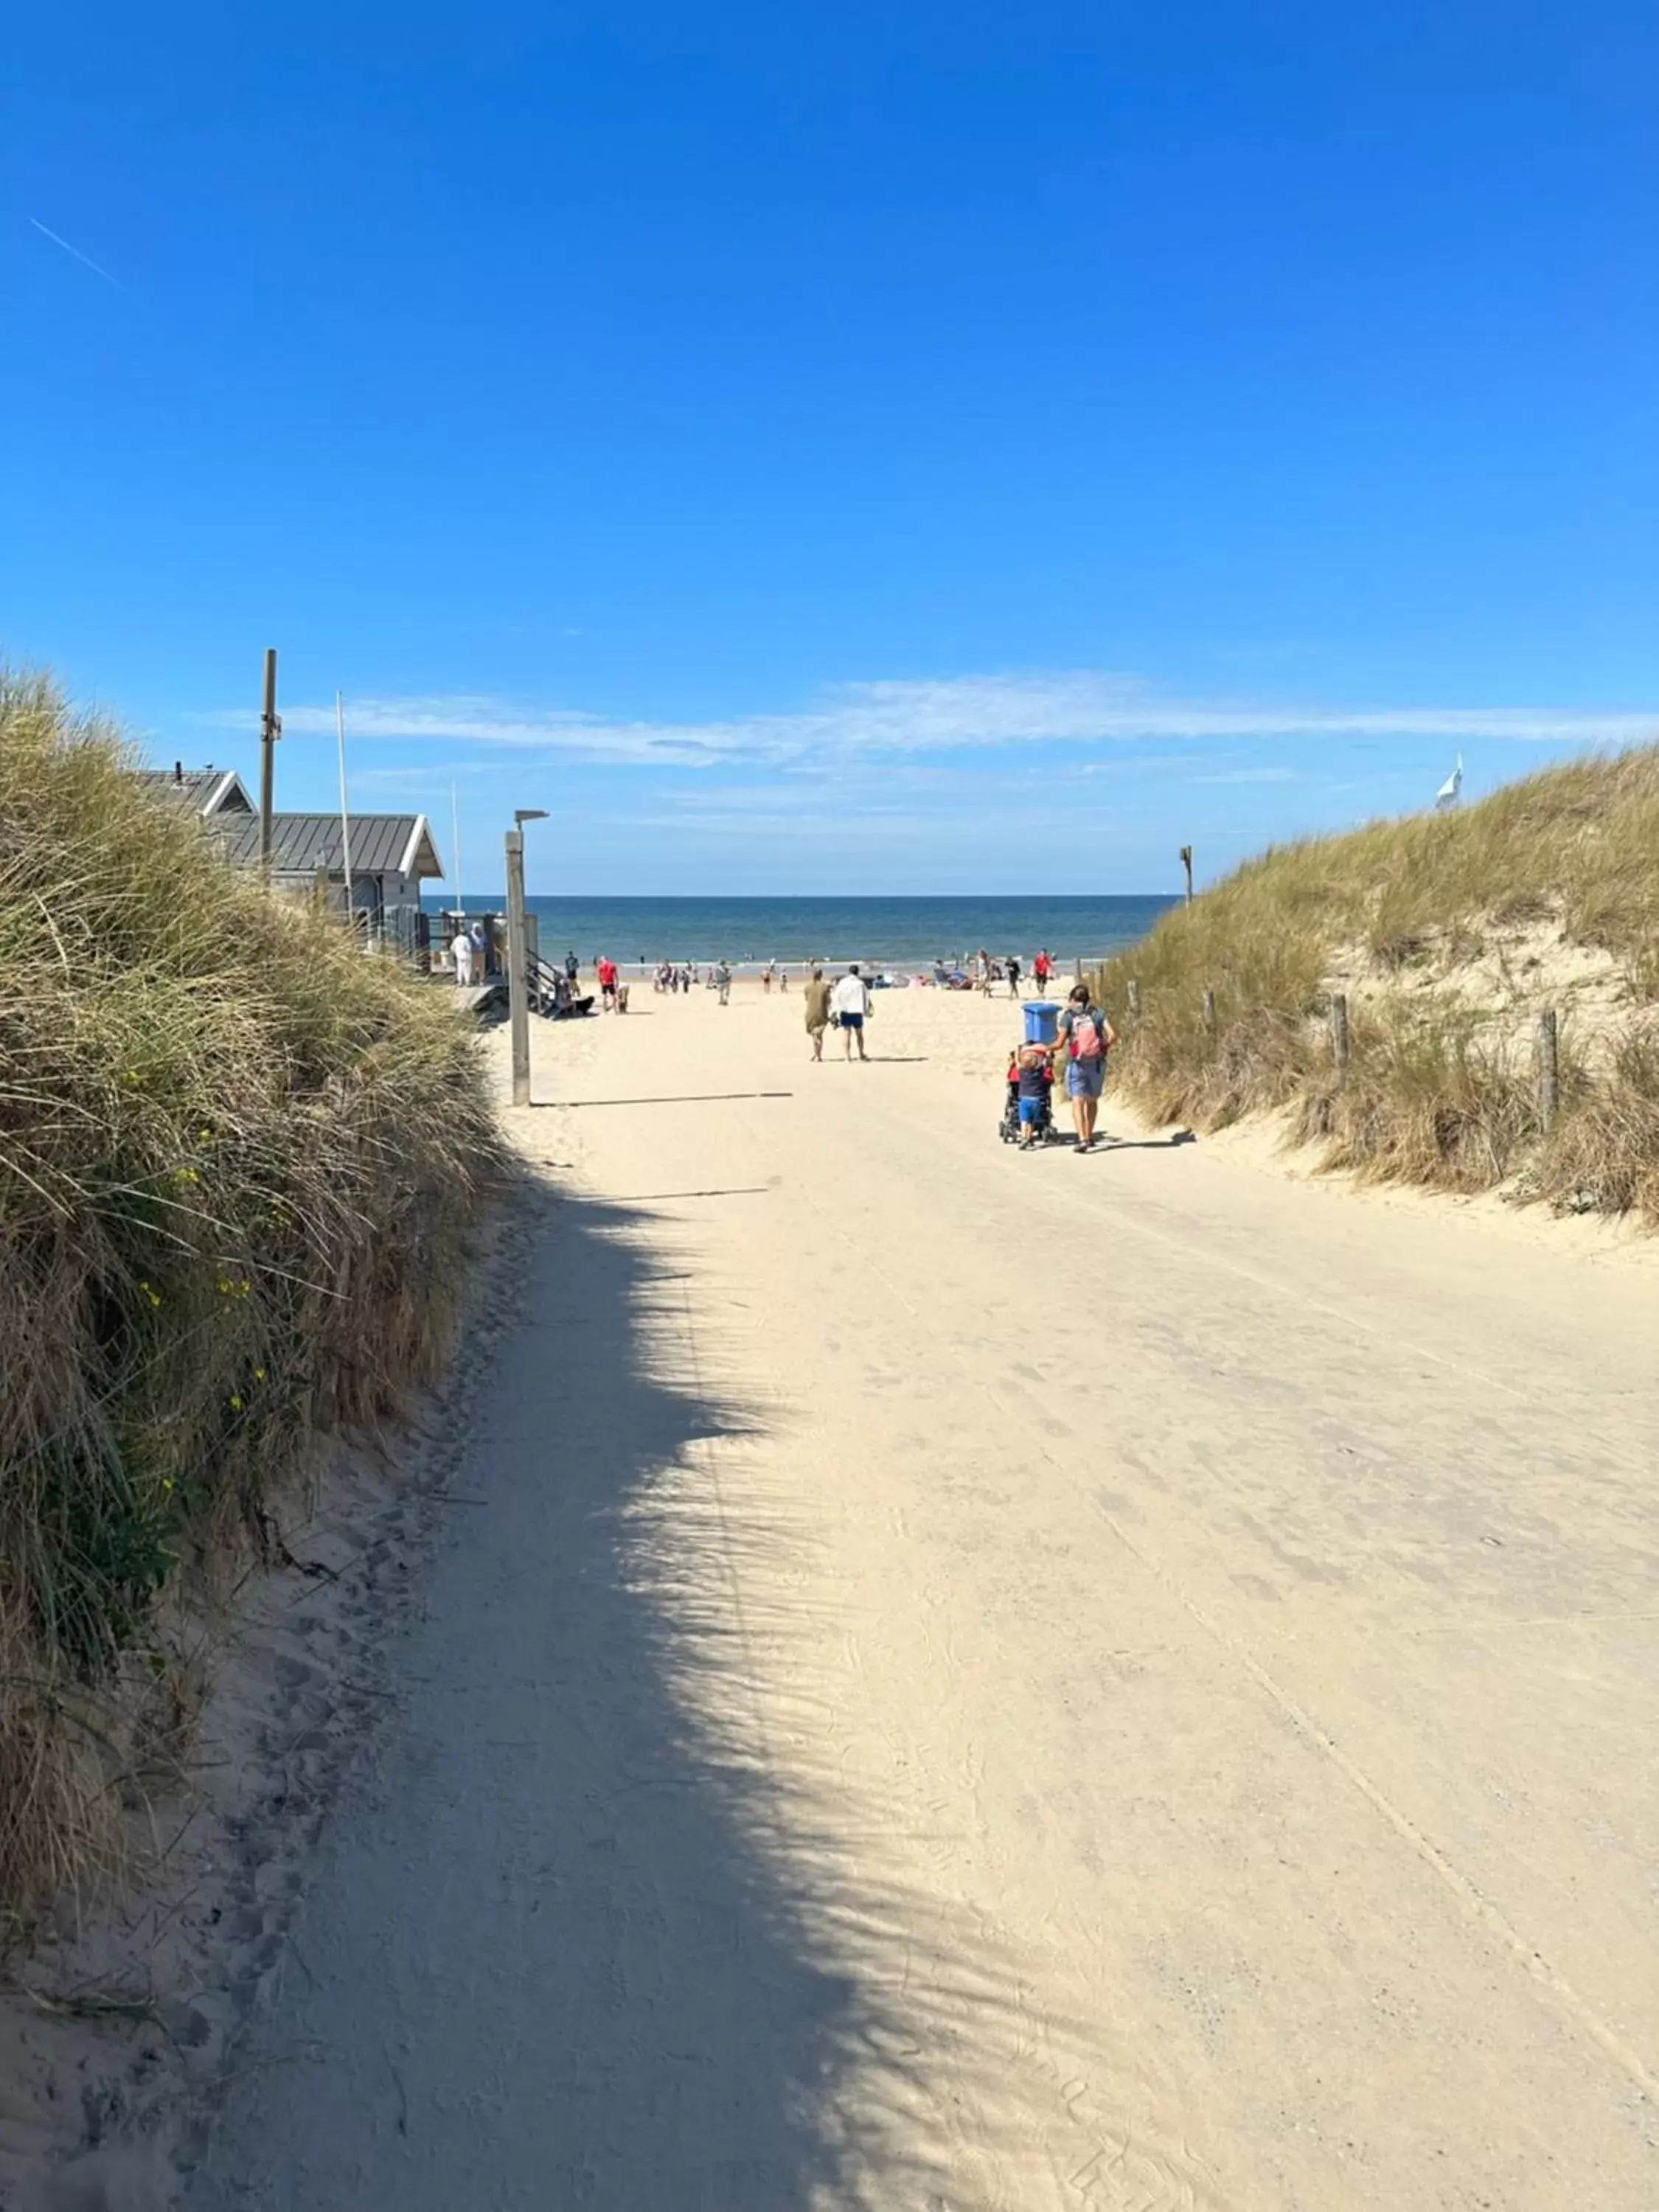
x=883, y=933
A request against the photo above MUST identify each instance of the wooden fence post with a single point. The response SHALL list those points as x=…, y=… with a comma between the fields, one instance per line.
x=1340, y=1037
x=1134, y=999
x=1549, y=1069
x=1209, y=1010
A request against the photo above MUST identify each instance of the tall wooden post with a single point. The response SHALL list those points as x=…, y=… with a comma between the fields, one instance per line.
x=1186, y=863
x=1549, y=1070
x=270, y=729
x=518, y=992
x=1340, y=1037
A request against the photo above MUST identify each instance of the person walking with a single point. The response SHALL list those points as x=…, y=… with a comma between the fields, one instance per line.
x=767, y=974
x=460, y=951
x=723, y=981
x=1012, y=966
x=606, y=970
x=480, y=950
x=1042, y=968
x=850, y=1004
x=819, y=995
x=1084, y=1036
x=573, y=968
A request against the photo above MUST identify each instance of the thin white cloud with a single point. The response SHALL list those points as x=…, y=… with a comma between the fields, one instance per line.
x=892, y=718
x=1248, y=775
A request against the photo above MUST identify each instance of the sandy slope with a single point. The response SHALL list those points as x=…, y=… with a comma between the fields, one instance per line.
x=962, y=1681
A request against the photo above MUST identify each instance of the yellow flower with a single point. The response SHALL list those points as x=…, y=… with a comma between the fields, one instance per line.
x=235, y=1403
x=166, y=1482
x=258, y=1374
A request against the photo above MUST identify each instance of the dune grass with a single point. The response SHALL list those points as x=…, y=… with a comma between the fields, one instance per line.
x=238, y=1163
x=1435, y=1095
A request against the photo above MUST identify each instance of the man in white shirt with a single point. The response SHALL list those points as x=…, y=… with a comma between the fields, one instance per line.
x=460, y=951
x=850, y=1004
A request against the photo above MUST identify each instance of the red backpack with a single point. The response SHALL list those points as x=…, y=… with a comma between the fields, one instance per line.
x=1087, y=1042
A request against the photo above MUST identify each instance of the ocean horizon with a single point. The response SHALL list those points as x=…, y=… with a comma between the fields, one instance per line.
x=885, y=931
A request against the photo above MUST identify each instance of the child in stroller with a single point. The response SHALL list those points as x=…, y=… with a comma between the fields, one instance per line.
x=1027, y=1116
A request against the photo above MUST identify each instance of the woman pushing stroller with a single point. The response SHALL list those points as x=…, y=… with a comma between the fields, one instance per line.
x=1083, y=1039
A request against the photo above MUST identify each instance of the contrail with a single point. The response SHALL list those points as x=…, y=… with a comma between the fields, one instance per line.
x=85, y=261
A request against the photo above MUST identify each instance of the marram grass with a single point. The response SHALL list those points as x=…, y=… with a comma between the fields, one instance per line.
x=1437, y=1094
x=238, y=1164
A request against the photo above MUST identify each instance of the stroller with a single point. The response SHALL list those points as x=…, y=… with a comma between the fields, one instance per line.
x=1042, y=1129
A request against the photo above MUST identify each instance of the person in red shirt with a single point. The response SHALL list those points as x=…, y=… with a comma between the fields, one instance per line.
x=1042, y=968
x=607, y=983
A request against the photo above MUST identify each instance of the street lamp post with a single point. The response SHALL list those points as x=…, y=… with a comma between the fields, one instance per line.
x=517, y=981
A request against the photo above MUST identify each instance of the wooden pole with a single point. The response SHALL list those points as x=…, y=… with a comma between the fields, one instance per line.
x=1209, y=1010
x=1549, y=1069
x=518, y=994
x=1186, y=863
x=270, y=729
x=1340, y=1037
x=1134, y=999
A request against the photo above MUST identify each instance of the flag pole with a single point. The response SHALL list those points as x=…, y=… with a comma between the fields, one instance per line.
x=345, y=815
x=455, y=825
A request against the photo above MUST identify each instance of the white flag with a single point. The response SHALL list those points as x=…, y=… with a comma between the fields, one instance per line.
x=1449, y=790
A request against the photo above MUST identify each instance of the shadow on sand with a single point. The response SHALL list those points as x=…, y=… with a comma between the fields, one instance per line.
x=572, y=1941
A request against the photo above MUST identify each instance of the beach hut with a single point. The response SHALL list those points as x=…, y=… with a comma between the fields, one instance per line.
x=205, y=793
x=392, y=856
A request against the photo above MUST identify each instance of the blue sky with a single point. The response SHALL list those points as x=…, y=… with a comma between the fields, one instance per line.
x=850, y=447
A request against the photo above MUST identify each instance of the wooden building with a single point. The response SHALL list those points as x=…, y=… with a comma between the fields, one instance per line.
x=391, y=854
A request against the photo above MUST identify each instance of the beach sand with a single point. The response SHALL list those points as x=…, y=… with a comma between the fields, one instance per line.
x=950, y=1681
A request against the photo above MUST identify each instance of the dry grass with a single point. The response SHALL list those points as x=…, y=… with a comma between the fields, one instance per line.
x=239, y=1162
x=1440, y=1091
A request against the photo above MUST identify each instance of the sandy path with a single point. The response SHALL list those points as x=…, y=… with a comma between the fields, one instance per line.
x=959, y=1681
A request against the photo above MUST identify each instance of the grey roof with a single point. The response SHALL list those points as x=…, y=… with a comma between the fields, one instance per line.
x=205, y=790
x=302, y=843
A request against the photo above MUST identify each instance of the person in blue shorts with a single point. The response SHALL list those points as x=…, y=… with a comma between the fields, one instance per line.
x=1084, y=1038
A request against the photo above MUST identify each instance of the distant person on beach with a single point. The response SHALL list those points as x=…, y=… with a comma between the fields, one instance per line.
x=605, y=969
x=460, y=951
x=767, y=974
x=1010, y=969
x=480, y=950
x=1084, y=1036
x=984, y=971
x=850, y=1004
x=819, y=994
x=723, y=981
x=573, y=968
x=1042, y=967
